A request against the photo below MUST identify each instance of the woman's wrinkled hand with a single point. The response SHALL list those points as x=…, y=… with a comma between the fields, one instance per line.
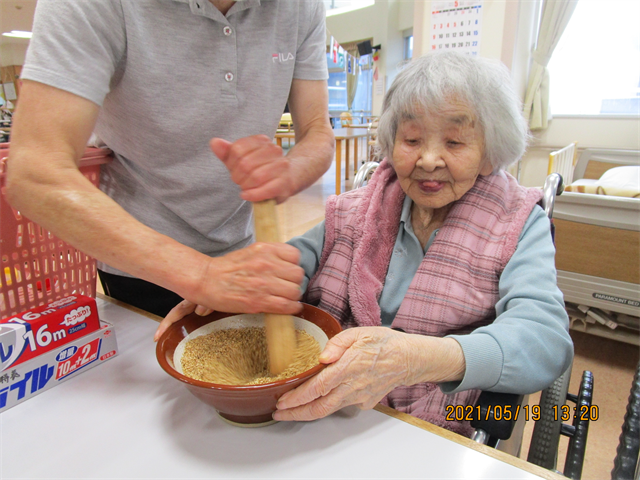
x=365, y=364
x=263, y=277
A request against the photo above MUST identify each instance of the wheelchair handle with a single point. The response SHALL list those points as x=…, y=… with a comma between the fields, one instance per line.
x=553, y=186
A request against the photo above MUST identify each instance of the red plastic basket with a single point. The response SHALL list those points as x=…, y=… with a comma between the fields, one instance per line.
x=37, y=267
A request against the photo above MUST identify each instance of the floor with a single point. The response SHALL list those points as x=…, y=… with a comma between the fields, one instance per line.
x=612, y=363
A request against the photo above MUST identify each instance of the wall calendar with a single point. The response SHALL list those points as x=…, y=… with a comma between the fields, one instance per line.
x=456, y=25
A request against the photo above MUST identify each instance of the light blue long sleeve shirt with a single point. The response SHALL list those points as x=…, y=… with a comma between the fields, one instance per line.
x=528, y=345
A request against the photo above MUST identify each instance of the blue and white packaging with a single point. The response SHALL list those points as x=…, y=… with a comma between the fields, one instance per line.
x=27, y=379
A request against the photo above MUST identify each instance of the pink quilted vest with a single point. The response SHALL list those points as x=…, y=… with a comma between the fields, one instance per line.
x=455, y=288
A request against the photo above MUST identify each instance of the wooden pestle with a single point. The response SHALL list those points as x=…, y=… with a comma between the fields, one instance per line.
x=280, y=329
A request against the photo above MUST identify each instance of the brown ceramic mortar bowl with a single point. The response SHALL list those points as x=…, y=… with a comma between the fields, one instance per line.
x=244, y=405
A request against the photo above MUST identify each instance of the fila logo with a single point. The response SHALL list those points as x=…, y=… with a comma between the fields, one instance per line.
x=282, y=57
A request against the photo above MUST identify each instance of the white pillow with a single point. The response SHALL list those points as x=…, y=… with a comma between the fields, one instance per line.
x=617, y=181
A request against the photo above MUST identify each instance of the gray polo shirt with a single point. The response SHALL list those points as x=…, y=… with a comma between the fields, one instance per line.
x=170, y=75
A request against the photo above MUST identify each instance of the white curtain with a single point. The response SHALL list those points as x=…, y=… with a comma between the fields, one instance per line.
x=352, y=87
x=555, y=17
x=352, y=78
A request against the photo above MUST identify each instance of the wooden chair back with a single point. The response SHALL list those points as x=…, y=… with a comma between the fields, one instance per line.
x=563, y=161
x=346, y=119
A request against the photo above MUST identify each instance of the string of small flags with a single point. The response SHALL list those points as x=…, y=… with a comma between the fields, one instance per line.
x=341, y=57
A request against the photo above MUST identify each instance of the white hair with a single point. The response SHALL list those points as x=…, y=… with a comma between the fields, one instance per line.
x=433, y=81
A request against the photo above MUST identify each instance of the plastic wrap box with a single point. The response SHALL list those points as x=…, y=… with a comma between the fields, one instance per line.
x=21, y=382
x=37, y=331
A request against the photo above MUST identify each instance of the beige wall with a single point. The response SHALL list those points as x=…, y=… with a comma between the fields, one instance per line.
x=405, y=14
x=13, y=54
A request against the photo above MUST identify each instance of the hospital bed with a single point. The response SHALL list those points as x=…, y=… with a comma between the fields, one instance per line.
x=598, y=251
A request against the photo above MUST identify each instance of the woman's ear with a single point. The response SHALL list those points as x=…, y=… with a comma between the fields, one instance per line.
x=486, y=168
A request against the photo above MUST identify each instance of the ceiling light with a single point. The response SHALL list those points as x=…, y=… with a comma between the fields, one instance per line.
x=17, y=34
x=342, y=6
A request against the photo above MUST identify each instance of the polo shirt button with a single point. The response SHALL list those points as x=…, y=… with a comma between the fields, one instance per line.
x=227, y=30
x=228, y=76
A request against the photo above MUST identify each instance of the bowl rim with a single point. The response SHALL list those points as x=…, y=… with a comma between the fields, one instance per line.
x=162, y=360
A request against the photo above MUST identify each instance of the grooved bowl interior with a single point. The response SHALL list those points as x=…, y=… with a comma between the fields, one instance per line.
x=247, y=405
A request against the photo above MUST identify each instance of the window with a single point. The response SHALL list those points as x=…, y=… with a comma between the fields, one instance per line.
x=407, y=36
x=408, y=47
x=337, y=85
x=595, y=68
x=338, y=88
x=364, y=93
x=338, y=91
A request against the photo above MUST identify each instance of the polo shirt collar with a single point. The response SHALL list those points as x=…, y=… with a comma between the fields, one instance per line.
x=243, y=5
x=405, y=223
x=405, y=215
x=206, y=8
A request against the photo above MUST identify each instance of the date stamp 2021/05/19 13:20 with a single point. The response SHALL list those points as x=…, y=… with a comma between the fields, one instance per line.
x=460, y=413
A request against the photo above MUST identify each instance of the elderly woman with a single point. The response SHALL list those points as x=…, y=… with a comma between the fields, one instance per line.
x=442, y=268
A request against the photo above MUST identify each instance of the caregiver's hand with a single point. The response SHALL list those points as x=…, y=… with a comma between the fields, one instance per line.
x=366, y=363
x=258, y=166
x=263, y=277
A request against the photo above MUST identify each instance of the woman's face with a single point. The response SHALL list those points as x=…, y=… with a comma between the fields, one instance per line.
x=438, y=156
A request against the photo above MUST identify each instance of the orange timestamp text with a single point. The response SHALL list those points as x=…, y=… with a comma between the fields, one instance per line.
x=460, y=413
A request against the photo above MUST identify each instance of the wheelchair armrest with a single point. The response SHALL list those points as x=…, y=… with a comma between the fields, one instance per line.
x=497, y=414
x=364, y=173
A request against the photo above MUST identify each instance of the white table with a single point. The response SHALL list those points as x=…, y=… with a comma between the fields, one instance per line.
x=128, y=419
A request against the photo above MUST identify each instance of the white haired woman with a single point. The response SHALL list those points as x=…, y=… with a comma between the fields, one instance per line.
x=442, y=246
